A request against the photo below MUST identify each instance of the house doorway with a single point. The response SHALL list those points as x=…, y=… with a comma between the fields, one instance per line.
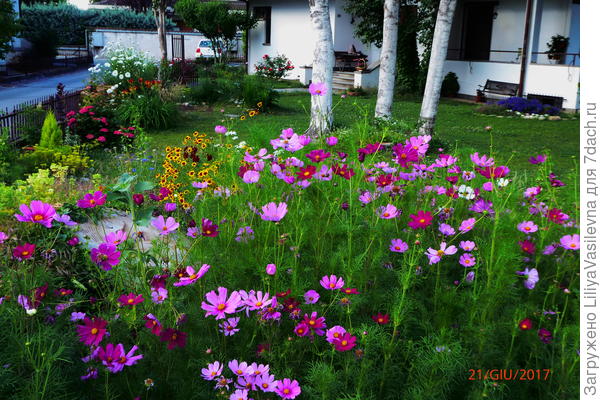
x=477, y=30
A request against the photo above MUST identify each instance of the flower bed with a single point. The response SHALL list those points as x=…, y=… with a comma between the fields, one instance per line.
x=315, y=268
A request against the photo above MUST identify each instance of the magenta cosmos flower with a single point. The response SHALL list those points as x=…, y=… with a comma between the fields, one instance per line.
x=37, y=212
x=420, y=220
x=527, y=227
x=106, y=256
x=466, y=225
x=288, y=389
x=165, y=226
x=388, y=212
x=274, y=212
x=91, y=200
x=311, y=297
x=345, y=342
x=317, y=89
x=115, y=358
x=315, y=323
x=467, y=260
x=570, y=242
x=317, y=156
x=436, y=255
x=398, y=246
x=173, y=337
x=192, y=276
x=209, y=228
x=334, y=333
x=24, y=252
x=229, y=327
x=130, y=299
x=219, y=305
x=332, y=282
x=271, y=269
x=92, y=331
x=220, y=129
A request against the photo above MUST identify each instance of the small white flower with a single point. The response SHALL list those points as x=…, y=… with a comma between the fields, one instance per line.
x=121, y=76
x=127, y=75
x=466, y=192
x=502, y=182
x=31, y=311
x=115, y=73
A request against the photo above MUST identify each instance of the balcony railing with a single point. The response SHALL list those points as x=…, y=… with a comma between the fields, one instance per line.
x=514, y=56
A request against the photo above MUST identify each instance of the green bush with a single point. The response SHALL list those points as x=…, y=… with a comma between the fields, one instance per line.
x=492, y=109
x=70, y=23
x=450, y=86
x=148, y=111
x=255, y=90
x=52, y=135
x=212, y=91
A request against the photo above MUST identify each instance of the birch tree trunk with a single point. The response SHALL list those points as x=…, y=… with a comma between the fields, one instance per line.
x=321, y=116
x=159, y=11
x=389, y=51
x=439, y=49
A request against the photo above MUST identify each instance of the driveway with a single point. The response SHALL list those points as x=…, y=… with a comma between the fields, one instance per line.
x=18, y=92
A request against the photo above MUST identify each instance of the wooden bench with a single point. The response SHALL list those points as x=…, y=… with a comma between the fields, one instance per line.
x=502, y=88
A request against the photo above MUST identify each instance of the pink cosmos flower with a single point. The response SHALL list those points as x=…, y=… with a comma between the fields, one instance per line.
x=24, y=252
x=398, y=246
x=466, y=225
x=288, y=389
x=271, y=269
x=130, y=299
x=38, y=212
x=446, y=229
x=115, y=358
x=301, y=329
x=315, y=323
x=436, y=255
x=420, y=220
x=540, y=158
x=334, y=333
x=220, y=129
x=531, y=192
x=257, y=300
x=212, y=371
x=192, y=276
x=482, y=161
x=311, y=297
x=219, y=305
x=251, y=176
x=532, y=277
x=570, y=242
x=550, y=249
x=318, y=156
x=345, y=342
x=317, y=89
x=274, y=212
x=467, y=260
x=467, y=245
x=266, y=382
x=116, y=238
x=239, y=394
x=91, y=200
x=229, y=327
x=332, y=282
x=3, y=237
x=388, y=212
x=405, y=155
x=105, y=256
x=159, y=295
x=488, y=186
x=173, y=337
x=240, y=368
x=331, y=141
x=92, y=331
x=527, y=227
x=165, y=227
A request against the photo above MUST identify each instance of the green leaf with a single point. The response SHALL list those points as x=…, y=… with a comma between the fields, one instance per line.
x=142, y=217
x=78, y=284
x=143, y=186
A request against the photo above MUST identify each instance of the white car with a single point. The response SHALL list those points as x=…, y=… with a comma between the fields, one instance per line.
x=205, y=49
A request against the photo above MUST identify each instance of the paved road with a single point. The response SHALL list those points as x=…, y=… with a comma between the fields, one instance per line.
x=18, y=92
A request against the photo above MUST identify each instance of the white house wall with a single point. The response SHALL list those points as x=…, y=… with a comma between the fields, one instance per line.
x=554, y=80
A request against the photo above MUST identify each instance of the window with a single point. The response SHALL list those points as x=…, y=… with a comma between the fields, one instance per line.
x=264, y=15
x=477, y=30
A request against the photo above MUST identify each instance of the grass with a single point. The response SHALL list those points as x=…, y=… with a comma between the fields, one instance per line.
x=457, y=124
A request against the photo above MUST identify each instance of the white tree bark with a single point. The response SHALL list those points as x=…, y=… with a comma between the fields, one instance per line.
x=387, y=68
x=439, y=49
x=159, y=11
x=321, y=118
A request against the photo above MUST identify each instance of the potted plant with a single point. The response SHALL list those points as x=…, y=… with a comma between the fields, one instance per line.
x=557, y=47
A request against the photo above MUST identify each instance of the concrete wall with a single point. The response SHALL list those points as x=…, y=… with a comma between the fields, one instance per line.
x=146, y=41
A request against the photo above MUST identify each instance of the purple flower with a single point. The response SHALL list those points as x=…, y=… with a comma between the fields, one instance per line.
x=229, y=327
x=332, y=282
x=77, y=316
x=527, y=227
x=467, y=260
x=271, y=269
x=38, y=212
x=159, y=295
x=116, y=238
x=288, y=389
x=251, y=176
x=192, y=276
x=388, y=212
x=244, y=234
x=466, y=225
x=570, y=242
x=91, y=200
x=470, y=276
x=447, y=230
x=220, y=129
x=170, y=207
x=311, y=297
x=274, y=212
x=540, y=158
x=467, y=245
x=398, y=246
x=240, y=368
x=3, y=237
x=436, y=255
x=212, y=371
x=532, y=277
x=64, y=219
x=317, y=89
x=331, y=141
x=105, y=256
x=219, y=305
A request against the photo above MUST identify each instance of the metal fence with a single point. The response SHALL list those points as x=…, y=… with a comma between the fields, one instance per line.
x=24, y=116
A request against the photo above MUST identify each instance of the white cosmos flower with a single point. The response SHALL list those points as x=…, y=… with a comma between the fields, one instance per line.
x=502, y=182
x=127, y=75
x=466, y=192
x=121, y=76
x=115, y=73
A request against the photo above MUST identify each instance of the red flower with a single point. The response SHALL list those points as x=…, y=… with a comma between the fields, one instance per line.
x=24, y=252
x=92, y=331
x=527, y=246
x=209, y=228
x=306, y=173
x=381, y=319
x=350, y=290
x=343, y=171
x=130, y=299
x=284, y=294
x=174, y=337
x=525, y=325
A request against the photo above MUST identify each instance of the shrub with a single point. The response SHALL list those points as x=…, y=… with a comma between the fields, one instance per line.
x=212, y=91
x=70, y=23
x=51, y=132
x=148, y=111
x=450, y=86
x=94, y=128
x=273, y=67
x=122, y=68
x=255, y=89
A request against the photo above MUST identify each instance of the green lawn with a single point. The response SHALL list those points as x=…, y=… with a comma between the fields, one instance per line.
x=457, y=125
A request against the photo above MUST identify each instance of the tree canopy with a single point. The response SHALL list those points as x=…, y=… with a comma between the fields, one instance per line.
x=8, y=26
